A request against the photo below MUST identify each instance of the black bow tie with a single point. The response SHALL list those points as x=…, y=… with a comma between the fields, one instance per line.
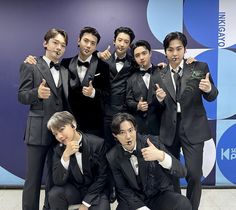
x=120, y=60
x=128, y=154
x=55, y=65
x=143, y=72
x=85, y=64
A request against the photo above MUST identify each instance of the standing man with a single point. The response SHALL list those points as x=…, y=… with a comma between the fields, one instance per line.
x=121, y=68
x=141, y=90
x=184, y=121
x=44, y=87
x=140, y=165
x=79, y=166
x=89, y=83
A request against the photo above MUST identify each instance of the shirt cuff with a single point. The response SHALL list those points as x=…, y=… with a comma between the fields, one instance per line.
x=65, y=163
x=93, y=93
x=167, y=162
x=86, y=204
x=143, y=208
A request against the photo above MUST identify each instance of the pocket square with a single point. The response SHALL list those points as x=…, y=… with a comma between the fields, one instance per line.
x=97, y=74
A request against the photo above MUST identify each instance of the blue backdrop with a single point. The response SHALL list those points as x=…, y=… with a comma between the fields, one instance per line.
x=209, y=26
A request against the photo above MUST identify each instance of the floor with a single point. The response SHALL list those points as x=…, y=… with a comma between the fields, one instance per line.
x=212, y=199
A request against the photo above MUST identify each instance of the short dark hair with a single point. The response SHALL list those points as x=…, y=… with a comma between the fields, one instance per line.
x=90, y=30
x=172, y=36
x=125, y=30
x=140, y=43
x=118, y=119
x=53, y=32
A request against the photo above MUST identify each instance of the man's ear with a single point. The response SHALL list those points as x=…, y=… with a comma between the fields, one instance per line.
x=114, y=135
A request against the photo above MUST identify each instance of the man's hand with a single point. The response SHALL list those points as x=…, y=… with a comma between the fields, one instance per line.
x=205, y=84
x=83, y=207
x=160, y=93
x=142, y=105
x=106, y=54
x=151, y=153
x=87, y=91
x=71, y=148
x=190, y=60
x=30, y=59
x=162, y=65
x=43, y=91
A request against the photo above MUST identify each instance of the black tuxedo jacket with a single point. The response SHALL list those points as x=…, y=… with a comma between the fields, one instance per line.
x=193, y=113
x=41, y=110
x=94, y=168
x=89, y=112
x=118, y=82
x=148, y=122
x=154, y=178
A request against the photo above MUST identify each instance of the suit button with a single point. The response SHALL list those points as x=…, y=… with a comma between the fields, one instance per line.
x=174, y=121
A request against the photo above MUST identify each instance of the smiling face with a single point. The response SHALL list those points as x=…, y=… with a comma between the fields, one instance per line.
x=87, y=44
x=65, y=133
x=55, y=47
x=127, y=135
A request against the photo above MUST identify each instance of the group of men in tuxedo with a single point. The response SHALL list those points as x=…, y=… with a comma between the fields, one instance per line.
x=96, y=88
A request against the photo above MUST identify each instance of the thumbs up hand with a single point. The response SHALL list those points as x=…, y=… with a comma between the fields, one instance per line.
x=160, y=93
x=43, y=91
x=142, y=105
x=89, y=90
x=106, y=54
x=152, y=153
x=205, y=84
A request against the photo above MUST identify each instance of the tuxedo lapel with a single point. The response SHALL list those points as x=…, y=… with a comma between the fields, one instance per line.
x=112, y=65
x=141, y=164
x=46, y=73
x=64, y=78
x=141, y=85
x=167, y=80
x=75, y=170
x=187, y=72
x=75, y=82
x=86, y=159
x=90, y=71
x=128, y=170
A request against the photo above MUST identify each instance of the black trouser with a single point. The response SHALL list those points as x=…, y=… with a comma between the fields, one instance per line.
x=193, y=156
x=166, y=201
x=60, y=197
x=36, y=157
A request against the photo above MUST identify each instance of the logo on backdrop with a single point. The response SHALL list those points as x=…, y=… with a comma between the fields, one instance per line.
x=226, y=154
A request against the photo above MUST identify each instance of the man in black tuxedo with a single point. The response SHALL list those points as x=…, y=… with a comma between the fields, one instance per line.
x=89, y=83
x=120, y=68
x=184, y=121
x=44, y=87
x=140, y=166
x=141, y=90
x=79, y=166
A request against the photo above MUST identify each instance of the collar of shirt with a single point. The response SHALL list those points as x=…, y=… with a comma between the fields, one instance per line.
x=47, y=60
x=142, y=69
x=117, y=56
x=181, y=65
x=87, y=60
x=129, y=150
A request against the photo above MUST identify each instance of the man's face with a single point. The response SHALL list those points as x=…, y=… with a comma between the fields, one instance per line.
x=127, y=135
x=87, y=44
x=142, y=57
x=55, y=47
x=65, y=134
x=122, y=43
x=175, y=52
